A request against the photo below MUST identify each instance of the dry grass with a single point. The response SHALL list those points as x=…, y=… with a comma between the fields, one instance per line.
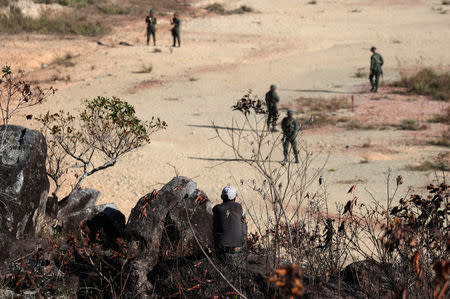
x=65, y=60
x=441, y=162
x=360, y=74
x=323, y=105
x=411, y=125
x=219, y=9
x=145, y=69
x=443, y=118
x=427, y=82
x=15, y=22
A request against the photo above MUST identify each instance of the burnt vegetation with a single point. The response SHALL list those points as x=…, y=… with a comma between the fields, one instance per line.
x=365, y=247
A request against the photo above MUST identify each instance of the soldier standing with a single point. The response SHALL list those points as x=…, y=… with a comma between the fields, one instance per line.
x=272, y=100
x=151, y=27
x=175, y=29
x=376, y=62
x=290, y=129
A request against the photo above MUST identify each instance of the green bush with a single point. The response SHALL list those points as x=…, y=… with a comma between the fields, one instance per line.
x=16, y=22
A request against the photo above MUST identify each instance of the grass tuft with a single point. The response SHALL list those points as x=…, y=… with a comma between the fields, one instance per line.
x=114, y=9
x=427, y=82
x=145, y=69
x=65, y=60
x=410, y=125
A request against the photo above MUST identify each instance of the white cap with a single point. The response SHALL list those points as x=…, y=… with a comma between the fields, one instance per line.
x=230, y=192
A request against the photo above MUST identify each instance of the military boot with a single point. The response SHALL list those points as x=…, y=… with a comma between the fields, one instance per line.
x=285, y=160
x=296, y=159
x=274, y=129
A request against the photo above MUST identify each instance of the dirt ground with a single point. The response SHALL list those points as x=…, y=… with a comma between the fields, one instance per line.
x=306, y=50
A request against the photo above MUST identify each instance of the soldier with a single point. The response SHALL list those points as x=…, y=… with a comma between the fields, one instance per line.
x=376, y=61
x=151, y=27
x=229, y=223
x=290, y=129
x=272, y=100
x=175, y=29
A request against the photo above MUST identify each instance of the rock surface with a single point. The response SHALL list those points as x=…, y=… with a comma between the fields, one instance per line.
x=24, y=184
x=80, y=205
x=159, y=228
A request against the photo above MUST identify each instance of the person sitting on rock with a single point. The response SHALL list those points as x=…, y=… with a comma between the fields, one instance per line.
x=229, y=223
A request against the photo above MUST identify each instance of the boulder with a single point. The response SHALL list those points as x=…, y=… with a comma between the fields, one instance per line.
x=79, y=206
x=24, y=184
x=159, y=226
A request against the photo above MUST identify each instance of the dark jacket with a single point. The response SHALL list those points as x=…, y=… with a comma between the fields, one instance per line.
x=151, y=23
x=228, y=226
x=272, y=100
x=290, y=127
x=376, y=62
x=176, y=25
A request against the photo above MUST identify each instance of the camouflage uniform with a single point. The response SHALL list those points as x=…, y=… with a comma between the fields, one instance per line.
x=151, y=27
x=176, y=30
x=290, y=130
x=376, y=62
x=272, y=100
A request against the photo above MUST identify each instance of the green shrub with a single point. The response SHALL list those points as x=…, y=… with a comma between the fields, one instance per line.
x=16, y=22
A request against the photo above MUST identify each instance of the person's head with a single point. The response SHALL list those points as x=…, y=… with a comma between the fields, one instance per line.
x=175, y=15
x=373, y=49
x=290, y=113
x=273, y=87
x=151, y=12
x=228, y=194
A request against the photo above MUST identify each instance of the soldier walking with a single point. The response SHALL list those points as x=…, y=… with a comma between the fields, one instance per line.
x=290, y=130
x=272, y=100
x=175, y=29
x=376, y=62
x=151, y=27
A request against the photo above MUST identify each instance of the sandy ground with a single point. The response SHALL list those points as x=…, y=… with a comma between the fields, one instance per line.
x=306, y=50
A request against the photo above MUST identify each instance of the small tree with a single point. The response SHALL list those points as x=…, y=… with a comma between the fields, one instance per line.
x=16, y=94
x=105, y=130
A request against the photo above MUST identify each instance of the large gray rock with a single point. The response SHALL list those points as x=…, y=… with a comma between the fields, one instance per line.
x=79, y=206
x=159, y=226
x=24, y=184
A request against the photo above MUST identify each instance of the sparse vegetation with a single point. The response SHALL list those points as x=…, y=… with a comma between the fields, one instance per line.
x=65, y=60
x=410, y=125
x=323, y=105
x=441, y=163
x=145, y=69
x=219, y=9
x=445, y=2
x=427, y=82
x=105, y=130
x=15, y=22
x=114, y=9
x=360, y=74
x=312, y=2
x=441, y=118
